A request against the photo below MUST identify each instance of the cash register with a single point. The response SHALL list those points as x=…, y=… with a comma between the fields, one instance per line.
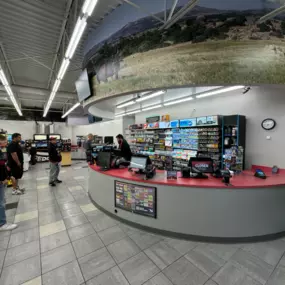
x=141, y=164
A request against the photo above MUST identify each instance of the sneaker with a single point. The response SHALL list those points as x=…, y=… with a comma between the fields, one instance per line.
x=16, y=192
x=58, y=181
x=8, y=227
x=52, y=184
x=21, y=189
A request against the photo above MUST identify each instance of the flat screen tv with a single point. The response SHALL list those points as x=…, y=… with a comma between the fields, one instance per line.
x=83, y=86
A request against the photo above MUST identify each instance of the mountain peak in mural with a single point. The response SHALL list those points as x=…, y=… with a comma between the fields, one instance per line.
x=147, y=23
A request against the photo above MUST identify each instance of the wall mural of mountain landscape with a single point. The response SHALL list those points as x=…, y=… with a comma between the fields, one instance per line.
x=207, y=46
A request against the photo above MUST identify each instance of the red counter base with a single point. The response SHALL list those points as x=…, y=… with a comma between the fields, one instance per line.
x=243, y=180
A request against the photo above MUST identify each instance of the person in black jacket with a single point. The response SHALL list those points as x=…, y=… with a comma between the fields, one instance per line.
x=124, y=147
x=55, y=159
x=4, y=226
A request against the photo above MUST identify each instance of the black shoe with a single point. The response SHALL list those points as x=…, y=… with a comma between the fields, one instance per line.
x=52, y=184
x=58, y=181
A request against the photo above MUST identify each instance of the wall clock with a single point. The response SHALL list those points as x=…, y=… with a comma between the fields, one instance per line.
x=268, y=124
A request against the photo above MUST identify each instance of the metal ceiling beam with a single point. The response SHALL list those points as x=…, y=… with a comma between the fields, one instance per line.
x=28, y=57
x=143, y=10
x=44, y=101
x=7, y=63
x=39, y=91
x=181, y=13
x=66, y=15
x=37, y=61
x=35, y=110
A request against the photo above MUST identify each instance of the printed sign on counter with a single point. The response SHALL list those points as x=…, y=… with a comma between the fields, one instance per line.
x=135, y=198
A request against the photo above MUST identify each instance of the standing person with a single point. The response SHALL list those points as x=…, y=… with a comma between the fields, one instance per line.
x=55, y=159
x=124, y=147
x=4, y=226
x=16, y=163
x=88, y=147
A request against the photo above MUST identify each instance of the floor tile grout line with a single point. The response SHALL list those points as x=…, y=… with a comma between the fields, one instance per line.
x=77, y=259
x=283, y=255
x=117, y=264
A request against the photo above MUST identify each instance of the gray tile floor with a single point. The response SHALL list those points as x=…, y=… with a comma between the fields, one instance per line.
x=63, y=239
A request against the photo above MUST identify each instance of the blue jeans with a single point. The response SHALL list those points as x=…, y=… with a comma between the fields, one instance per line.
x=2, y=205
x=54, y=172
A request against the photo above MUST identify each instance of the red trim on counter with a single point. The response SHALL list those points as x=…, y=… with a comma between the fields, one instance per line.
x=244, y=180
x=267, y=169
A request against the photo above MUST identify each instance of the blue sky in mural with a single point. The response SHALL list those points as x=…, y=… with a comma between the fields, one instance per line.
x=126, y=14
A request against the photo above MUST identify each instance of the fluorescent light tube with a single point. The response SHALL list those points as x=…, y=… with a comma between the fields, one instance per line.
x=126, y=104
x=89, y=6
x=71, y=109
x=3, y=78
x=219, y=91
x=178, y=101
x=63, y=68
x=56, y=86
x=133, y=112
x=152, y=107
x=120, y=115
x=152, y=95
x=9, y=91
x=75, y=38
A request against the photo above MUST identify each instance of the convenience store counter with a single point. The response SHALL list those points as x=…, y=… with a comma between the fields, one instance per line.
x=201, y=209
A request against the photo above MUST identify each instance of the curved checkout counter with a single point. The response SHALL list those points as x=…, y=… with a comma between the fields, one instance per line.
x=250, y=209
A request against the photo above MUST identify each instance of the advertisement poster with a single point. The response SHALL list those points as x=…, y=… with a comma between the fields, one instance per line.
x=136, y=198
x=135, y=54
x=174, y=124
x=164, y=125
x=212, y=120
x=201, y=121
x=188, y=123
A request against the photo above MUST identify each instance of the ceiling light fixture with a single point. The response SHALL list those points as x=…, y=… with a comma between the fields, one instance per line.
x=152, y=95
x=129, y=103
x=219, y=91
x=63, y=68
x=89, y=6
x=133, y=112
x=87, y=9
x=6, y=85
x=120, y=115
x=151, y=107
x=168, y=103
x=70, y=110
x=75, y=38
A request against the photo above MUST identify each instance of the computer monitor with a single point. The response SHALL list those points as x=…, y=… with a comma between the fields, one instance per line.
x=108, y=140
x=200, y=165
x=104, y=160
x=139, y=162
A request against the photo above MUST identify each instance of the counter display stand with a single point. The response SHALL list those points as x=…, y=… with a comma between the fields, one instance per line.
x=66, y=153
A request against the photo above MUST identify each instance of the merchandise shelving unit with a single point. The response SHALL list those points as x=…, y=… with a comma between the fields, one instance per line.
x=233, y=146
x=181, y=143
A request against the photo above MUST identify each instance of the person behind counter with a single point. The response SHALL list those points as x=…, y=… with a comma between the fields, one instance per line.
x=88, y=147
x=124, y=147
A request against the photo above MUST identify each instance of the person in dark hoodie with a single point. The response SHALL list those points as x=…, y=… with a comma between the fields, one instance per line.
x=55, y=159
x=4, y=226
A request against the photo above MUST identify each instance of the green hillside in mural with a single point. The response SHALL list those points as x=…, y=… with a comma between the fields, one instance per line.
x=228, y=48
